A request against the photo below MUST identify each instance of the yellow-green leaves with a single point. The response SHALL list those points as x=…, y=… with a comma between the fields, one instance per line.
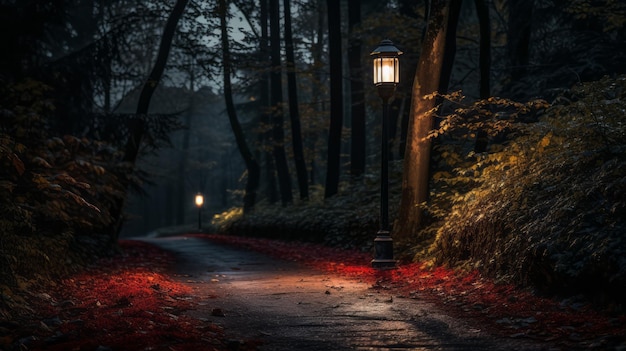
x=547, y=197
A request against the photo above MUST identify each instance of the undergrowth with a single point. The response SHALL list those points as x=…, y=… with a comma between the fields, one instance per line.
x=347, y=220
x=55, y=195
x=545, y=206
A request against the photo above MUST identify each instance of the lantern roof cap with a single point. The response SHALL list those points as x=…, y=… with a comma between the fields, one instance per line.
x=386, y=47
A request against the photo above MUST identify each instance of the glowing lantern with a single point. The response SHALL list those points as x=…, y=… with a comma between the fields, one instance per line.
x=199, y=203
x=386, y=68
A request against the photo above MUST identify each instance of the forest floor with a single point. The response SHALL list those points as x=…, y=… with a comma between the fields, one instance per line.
x=135, y=301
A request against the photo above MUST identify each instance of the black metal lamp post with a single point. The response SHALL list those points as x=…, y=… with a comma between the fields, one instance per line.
x=386, y=78
x=199, y=203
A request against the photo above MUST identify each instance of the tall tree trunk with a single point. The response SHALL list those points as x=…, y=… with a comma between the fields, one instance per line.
x=518, y=36
x=137, y=126
x=294, y=112
x=266, y=136
x=317, y=92
x=428, y=79
x=278, y=131
x=409, y=65
x=181, y=170
x=484, y=65
x=485, y=48
x=454, y=10
x=357, y=93
x=336, y=99
x=252, y=166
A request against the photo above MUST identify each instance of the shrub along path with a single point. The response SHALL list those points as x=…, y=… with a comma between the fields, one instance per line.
x=202, y=295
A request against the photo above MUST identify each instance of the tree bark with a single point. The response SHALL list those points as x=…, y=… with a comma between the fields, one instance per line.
x=294, y=112
x=317, y=92
x=407, y=75
x=181, y=171
x=485, y=48
x=336, y=99
x=278, y=132
x=428, y=80
x=518, y=36
x=484, y=65
x=137, y=127
x=454, y=10
x=252, y=166
x=266, y=135
x=357, y=93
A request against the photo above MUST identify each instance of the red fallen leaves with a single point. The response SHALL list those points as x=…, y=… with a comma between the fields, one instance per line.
x=126, y=303
x=508, y=310
x=501, y=308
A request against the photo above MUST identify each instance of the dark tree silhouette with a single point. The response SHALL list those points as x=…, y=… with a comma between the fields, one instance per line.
x=357, y=93
x=336, y=99
x=276, y=91
x=137, y=127
x=484, y=64
x=294, y=111
x=518, y=36
x=181, y=170
x=485, y=47
x=264, y=93
x=252, y=166
x=317, y=52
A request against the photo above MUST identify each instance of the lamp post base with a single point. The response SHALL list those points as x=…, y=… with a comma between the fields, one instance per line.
x=383, y=245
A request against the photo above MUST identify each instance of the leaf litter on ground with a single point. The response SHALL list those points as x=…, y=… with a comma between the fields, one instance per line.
x=129, y=302
x=503, y=309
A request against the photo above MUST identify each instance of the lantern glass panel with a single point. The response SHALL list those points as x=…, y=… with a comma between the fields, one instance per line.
x=386, y=70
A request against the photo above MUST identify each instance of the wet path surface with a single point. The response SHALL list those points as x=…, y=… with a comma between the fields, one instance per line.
x=285, y=306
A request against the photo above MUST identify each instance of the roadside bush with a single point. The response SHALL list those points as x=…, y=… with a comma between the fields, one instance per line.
x=347, y=220
x=547, y=206
x=55, y=193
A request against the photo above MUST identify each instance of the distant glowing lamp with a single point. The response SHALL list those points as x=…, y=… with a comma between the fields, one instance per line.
x=199, y=200
x=199, y=203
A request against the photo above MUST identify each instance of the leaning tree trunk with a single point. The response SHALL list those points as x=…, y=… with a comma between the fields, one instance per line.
x=252, y=166
x=407, y=74
x=137, y=127
x=294, y=112
x=336, y=99
x=428, y=80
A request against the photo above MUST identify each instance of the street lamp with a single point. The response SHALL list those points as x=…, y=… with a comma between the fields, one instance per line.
x=199, y=203
x=386, y=78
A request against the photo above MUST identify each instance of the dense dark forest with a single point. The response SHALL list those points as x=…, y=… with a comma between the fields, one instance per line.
x=507, y=141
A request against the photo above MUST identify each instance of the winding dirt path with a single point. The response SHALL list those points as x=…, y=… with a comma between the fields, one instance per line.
x=284, y=306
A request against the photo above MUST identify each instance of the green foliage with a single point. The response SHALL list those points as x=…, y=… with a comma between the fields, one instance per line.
x=348, y=220
x=546, y=206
